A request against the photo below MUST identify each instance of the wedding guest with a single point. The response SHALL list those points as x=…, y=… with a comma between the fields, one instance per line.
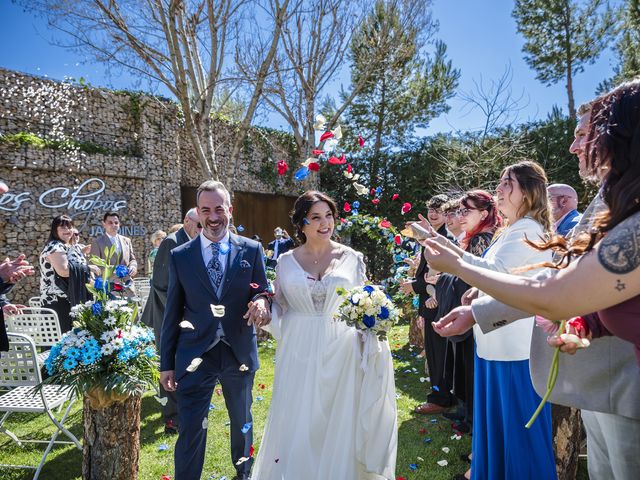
x=478, y=219
x=155, y=306
x=450, y=211
x=63, y=272
x=11, y=272
x=281, y=244
x=564, y=204
x=440, y=397
x=504, y=394
x=156, y=240
x=174, y=228
x=601, y=379
x=123, y=254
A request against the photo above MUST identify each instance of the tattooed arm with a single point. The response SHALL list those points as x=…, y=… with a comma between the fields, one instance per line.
x=606, y=276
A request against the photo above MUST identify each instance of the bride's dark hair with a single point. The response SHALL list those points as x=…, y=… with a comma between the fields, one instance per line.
x=301, y=209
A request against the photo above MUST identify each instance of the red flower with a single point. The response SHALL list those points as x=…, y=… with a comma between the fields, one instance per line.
x=117, y=287
x=406, y=208
x=375, y=201
x=119, y=333
x=579, y=324
x=397, y=239
x=346, y=207
x=314, y=166
x=360, y=141
x=385, y=224
x=395, y=196
x=337, y=161
x=326, y=136
x=282, y=167
x=317, y=152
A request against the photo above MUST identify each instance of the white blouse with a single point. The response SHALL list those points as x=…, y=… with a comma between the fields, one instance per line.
x=506, y=253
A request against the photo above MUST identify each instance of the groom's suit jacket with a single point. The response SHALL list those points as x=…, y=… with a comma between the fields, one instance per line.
x=191, y=295
x=602, y=378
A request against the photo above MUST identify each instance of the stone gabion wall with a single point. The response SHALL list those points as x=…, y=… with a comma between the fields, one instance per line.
x=148, y=159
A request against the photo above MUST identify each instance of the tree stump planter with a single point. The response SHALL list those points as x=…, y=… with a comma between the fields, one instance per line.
x=567, y=429
x=111, y=447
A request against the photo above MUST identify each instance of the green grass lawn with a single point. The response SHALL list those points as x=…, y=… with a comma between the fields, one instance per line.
x=421, y=438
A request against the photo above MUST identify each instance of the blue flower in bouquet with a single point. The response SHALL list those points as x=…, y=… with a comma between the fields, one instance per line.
x=100, y=285
x=368, y=288
x=69, y=363
x=369, y=321
x=384, y=313
x=91, y=356
x=96, y=308
x=121, y=271
x=73, y=352
x=150, y=351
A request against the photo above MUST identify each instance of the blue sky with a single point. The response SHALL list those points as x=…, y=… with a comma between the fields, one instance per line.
x=480, y=35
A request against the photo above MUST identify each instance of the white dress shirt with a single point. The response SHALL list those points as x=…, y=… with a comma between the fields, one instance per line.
x=115, y=241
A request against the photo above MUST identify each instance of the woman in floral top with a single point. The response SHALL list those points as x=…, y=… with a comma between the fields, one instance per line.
x=55, y=260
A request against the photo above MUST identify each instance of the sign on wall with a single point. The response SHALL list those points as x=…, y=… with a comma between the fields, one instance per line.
x=84, y=202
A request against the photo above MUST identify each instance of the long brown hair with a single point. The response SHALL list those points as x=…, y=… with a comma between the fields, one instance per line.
x=613, y=147
x=533, y=182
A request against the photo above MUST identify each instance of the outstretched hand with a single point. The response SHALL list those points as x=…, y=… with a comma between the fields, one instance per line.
x=12, y=271
x=456, y=322
x=440, y=257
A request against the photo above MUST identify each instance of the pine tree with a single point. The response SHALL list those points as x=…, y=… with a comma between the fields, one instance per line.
x=562, y=36
x=627, y=47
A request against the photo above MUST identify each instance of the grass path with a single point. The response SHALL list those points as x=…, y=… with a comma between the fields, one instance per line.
x=421, y=438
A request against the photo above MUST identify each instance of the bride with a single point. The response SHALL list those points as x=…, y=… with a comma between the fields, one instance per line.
x=332, y=414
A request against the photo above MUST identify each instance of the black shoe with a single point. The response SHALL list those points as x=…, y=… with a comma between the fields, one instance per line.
x=455, y=416
x=170, y=428
x=465, y=457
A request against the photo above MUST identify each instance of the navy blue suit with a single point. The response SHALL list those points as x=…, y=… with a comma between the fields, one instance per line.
x=232, y=362
x=567, y=224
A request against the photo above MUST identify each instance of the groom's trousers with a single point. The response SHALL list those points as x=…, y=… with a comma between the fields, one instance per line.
x=194, y=397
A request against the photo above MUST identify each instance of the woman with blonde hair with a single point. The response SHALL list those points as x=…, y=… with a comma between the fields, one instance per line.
x=504, y=397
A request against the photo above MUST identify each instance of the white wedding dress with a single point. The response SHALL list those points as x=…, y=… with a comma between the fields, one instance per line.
x=332, y=415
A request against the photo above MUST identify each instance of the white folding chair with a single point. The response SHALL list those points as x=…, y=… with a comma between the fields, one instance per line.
x=41, y=324
x=19, y=370
x=142, y=286
x=35, y=302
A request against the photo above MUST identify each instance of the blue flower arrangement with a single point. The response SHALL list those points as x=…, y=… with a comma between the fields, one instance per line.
x=107, y=350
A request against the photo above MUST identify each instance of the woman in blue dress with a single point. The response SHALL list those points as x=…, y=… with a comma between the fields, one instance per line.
x=504, y=397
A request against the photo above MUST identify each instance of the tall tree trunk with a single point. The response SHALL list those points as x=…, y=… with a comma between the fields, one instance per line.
x=567, y=429
x=111, y=440
x=572, y=105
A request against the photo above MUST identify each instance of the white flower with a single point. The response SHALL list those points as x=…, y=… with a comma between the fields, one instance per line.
x=110, y=321
x=107, y=349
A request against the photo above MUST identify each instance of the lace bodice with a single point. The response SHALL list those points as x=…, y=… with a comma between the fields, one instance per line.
x=297, y=290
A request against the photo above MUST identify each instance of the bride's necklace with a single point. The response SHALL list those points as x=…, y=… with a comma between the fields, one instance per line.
x=316, y=260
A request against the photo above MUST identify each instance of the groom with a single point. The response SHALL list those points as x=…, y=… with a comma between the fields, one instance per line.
x=216, y=298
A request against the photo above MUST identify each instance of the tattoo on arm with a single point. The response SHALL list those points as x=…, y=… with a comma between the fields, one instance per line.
x=619, y=251
x=620, y=286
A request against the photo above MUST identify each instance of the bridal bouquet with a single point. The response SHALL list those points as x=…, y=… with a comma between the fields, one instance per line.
x=369, y=309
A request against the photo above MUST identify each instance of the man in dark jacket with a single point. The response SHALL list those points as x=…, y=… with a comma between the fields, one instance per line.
x=154, y=309
x=440, y=398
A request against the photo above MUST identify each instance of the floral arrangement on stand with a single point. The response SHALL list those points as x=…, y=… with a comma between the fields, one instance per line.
x=107, y=356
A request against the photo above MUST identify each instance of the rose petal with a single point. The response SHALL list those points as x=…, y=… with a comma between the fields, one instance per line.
x=337, y=133
x=442, y=463
x=398, y=240
x=195, y=363
x=406, y=208
x=218, y=310
x=205, y=423
x=254, y=285
x=375, y=201
x=571, y=338
x=395, y=196
x=326, y=136
x=337, y=161
x=282, y=167
x=346, y=207
x=445, y=449
x=349, y=168
x=361, y=189
x=243, y=368
x=314, y=166
x=161, y=400
x=187, y=325
x=385, y=224
x=317, y=152
x=360, y=141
